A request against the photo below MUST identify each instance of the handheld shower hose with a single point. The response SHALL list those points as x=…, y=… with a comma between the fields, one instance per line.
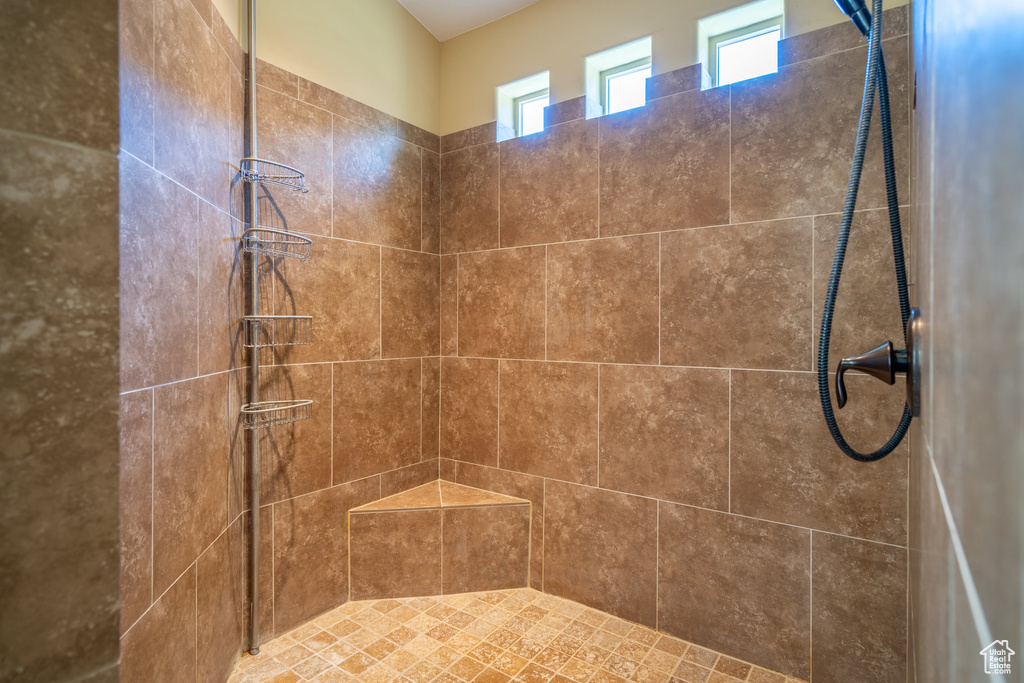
x=875, y=80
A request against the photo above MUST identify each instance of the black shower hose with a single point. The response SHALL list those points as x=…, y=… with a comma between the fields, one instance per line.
x=874, y=80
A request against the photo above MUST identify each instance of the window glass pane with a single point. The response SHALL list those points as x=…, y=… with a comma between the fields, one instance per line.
x=531, y=115
x=749, y=57
x=628, y=89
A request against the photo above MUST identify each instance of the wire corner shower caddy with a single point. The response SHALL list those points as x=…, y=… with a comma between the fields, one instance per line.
x=266, y=331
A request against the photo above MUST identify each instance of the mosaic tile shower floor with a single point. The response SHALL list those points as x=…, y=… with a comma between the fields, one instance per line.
x=492, y=637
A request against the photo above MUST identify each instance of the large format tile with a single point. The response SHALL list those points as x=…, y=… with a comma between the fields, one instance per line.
x=191, y=104
x=449, y=305
x=376, y=417
x=220, y=288
x=298, y=135
x=860, y=610
x=665, y=433
x=377, y=192
x=738, y=296
x=430, y=226
x=520, y=486
x=340, y=288
x=786, y=468
x=136, y=77
x=312, y=531
x=430, y=430
x=600, y=549
x=395, y=554
x=159, y=306
x=603, y=300
x=867, y=309
x=666, y=165
x=548, y=420
x=162, y=646
x=221, y=599
x=485, y=547
x=60, y=76
x=737, y=585
x=500, y=307
x=59, y=389
x=136, y=497
x=469, y=410
x=548, y=186
x=408, y=477
x=190, y=473
x=295, y=458
x=469, y=199
x=793, y=135
x=410, y=304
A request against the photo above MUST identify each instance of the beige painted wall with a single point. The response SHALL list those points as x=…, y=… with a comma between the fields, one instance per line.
x=371, y=50
x=556, y=35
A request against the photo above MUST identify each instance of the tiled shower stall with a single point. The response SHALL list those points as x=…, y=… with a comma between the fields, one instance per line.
x=612, y=321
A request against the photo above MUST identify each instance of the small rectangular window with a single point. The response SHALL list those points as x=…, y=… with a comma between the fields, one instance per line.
x=625, y=87
x=748, y=52
x=529, y=112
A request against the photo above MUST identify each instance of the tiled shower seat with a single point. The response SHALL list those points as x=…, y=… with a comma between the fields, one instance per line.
x=438, y=538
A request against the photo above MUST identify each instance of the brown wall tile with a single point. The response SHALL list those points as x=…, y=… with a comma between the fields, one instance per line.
x=786, y=468
x=377, y=188
x=222, y=593
x=70, y=93
x=477, y=135
x=136, y=77
x=299, y=135
x=469, y=410
x=867, y=311
x=410, y=304
x=548, y=420
x=191, y=104
x=600, y=549
x=267, y=567
x=738, y=296
x=162, y=646
x=519, y=486
x=735, y=585
x=548, y=185
x=793, y=136
x=395, y=554
x=666, y=165
x=839, y=37
x=469, y=199
x=59, y=379
x=296, y=458
x=665, y=433
x=158, y=285
x=220, y=289
x=674, y=82
x=311, y=531
x=376, y=417
x=190, y=473
x=449, y=305
x=564, y=111
x=501, y=303
x=136, y=497
x=603, y=300
x=430, y=430
x=860, y=610
x=430, y=228
x=485, y=548
x=275, y=78
x=340, y=287
x=397, y=481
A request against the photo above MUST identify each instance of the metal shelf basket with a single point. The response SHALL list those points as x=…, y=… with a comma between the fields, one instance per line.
x=277, y=330
x=264, y=171
x=274, y=243
x=273, y=413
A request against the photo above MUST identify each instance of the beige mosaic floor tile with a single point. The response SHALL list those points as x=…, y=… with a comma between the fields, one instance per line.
x=493, y=637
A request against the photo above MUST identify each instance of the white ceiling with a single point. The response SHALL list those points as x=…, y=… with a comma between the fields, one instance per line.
x=448, y=18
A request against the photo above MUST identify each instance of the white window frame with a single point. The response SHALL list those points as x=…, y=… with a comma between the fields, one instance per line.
x=621, y=70
x=517, y=108
x=737, y=36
